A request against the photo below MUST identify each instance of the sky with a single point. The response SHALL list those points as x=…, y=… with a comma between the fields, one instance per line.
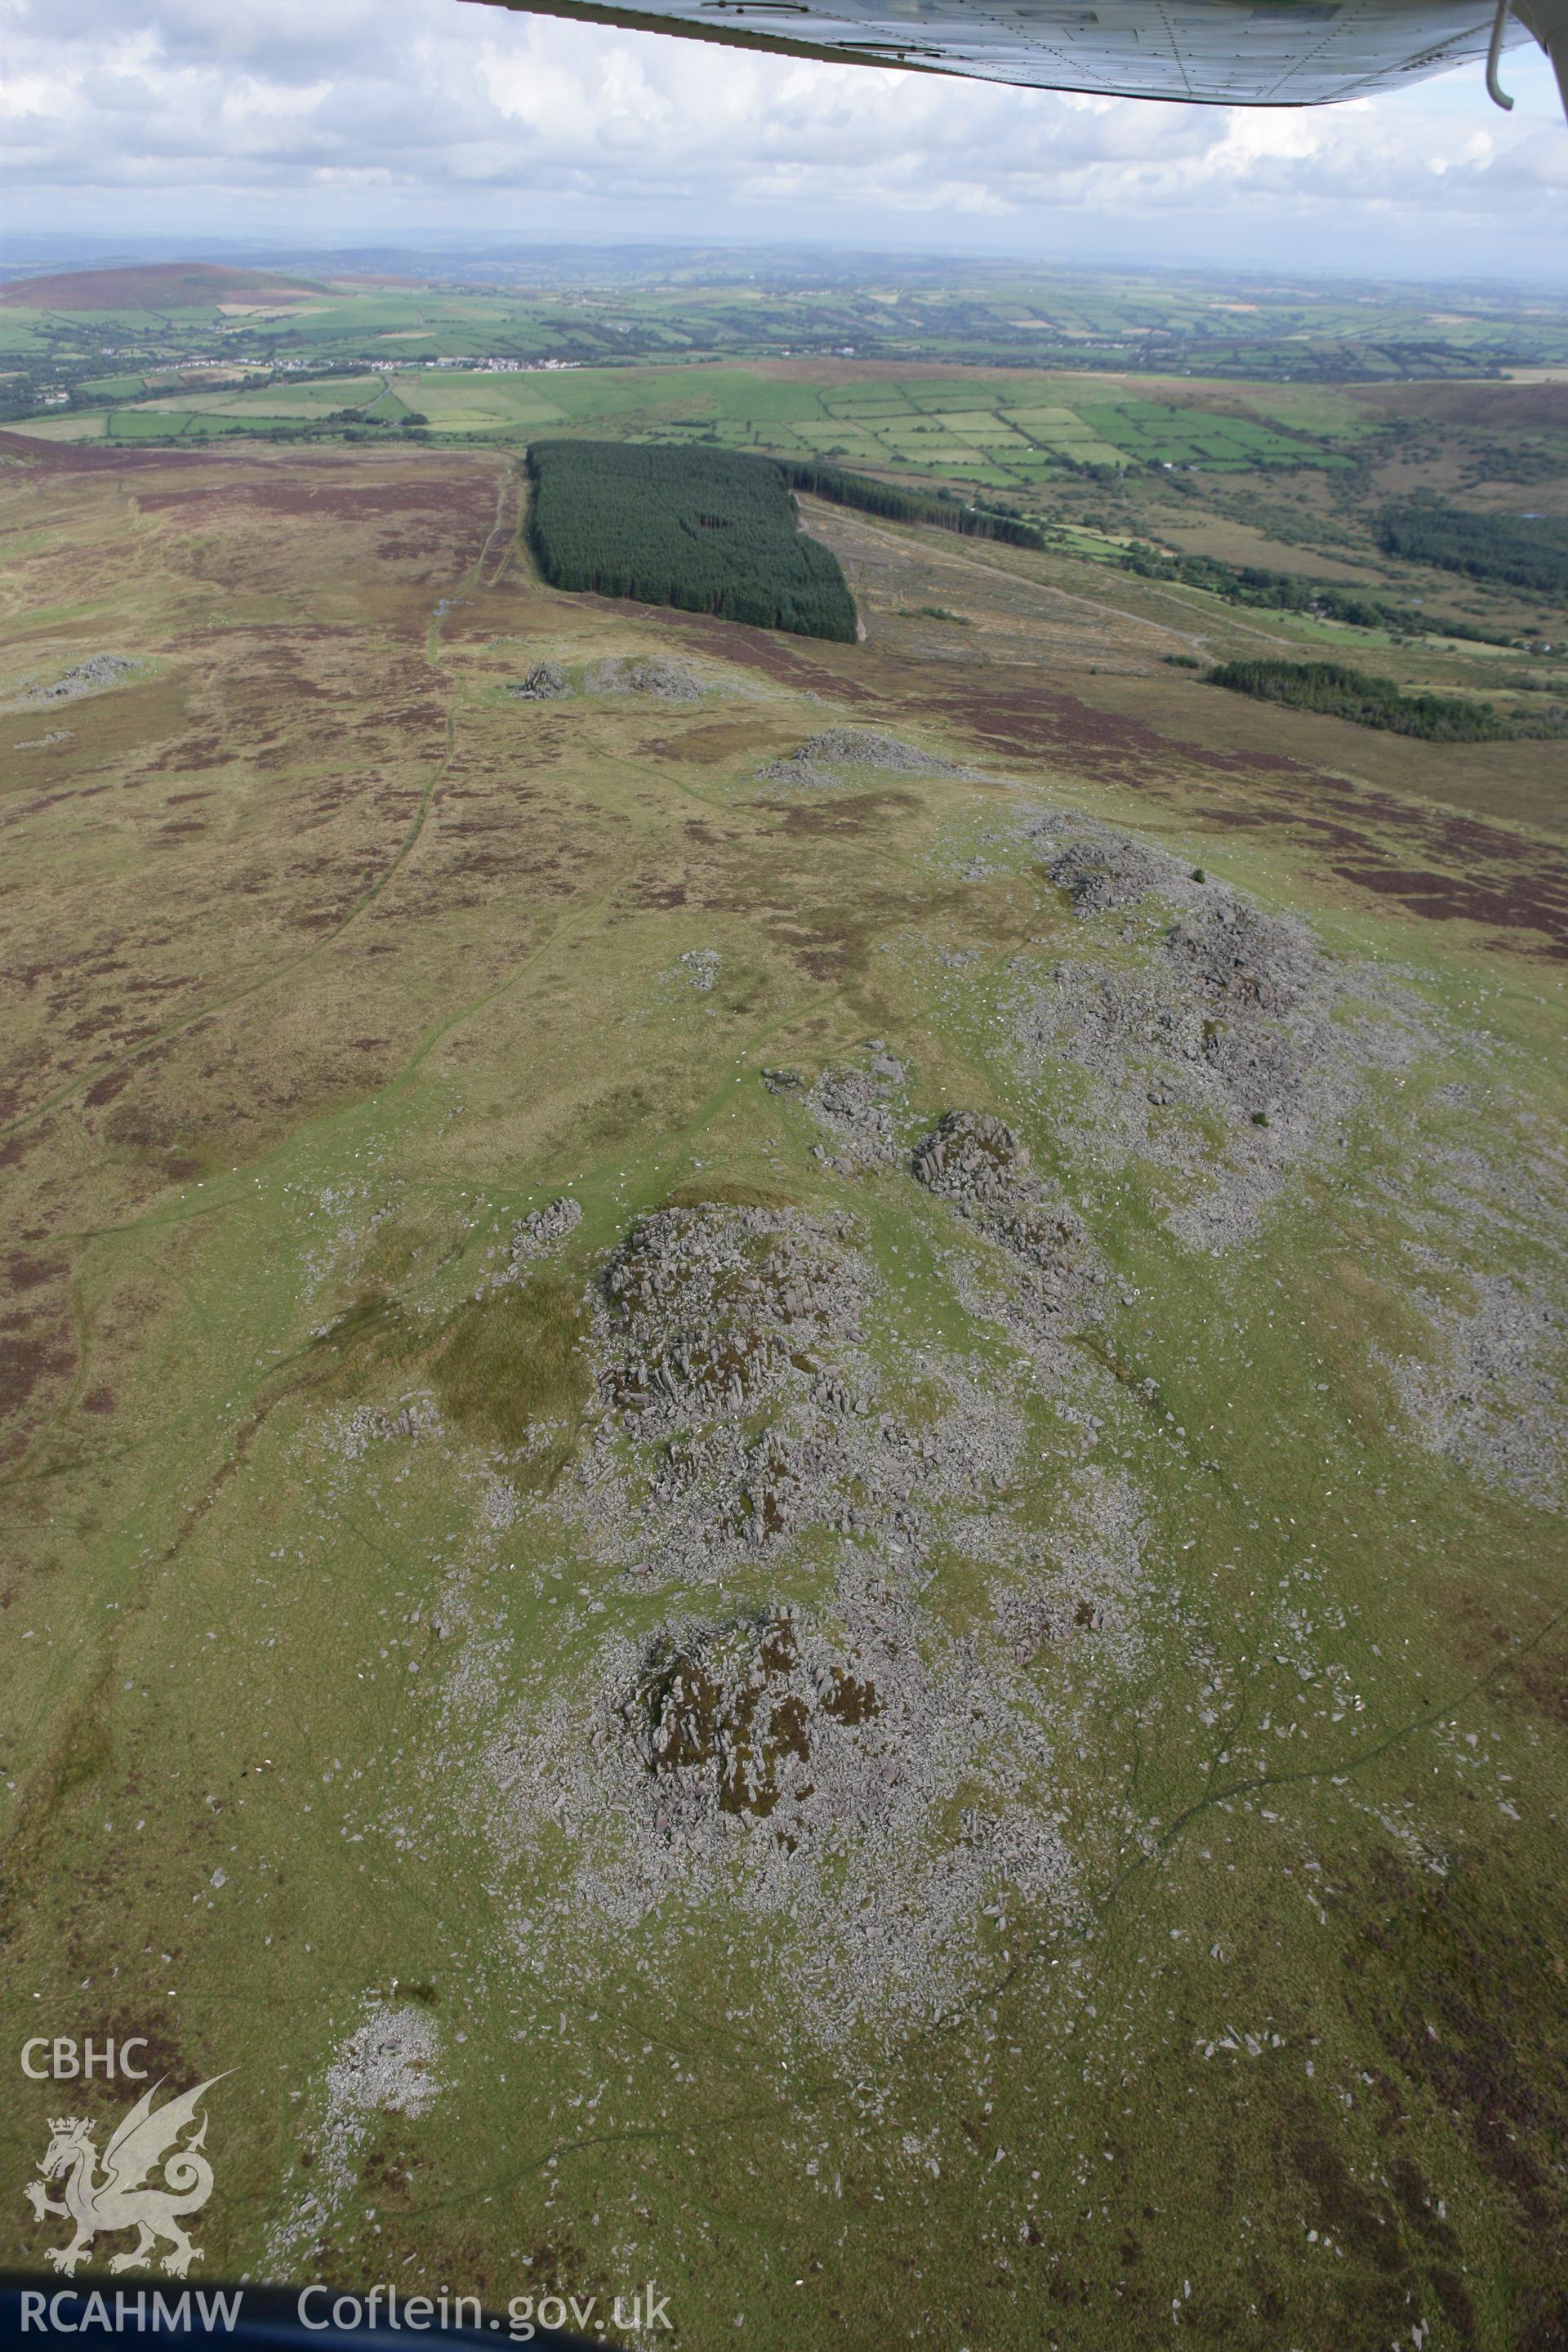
x=350, y=122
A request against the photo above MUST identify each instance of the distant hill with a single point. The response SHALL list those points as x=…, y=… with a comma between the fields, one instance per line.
x=157, y=286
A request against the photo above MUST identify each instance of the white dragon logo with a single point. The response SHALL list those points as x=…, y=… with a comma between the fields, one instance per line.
x=121, y=2200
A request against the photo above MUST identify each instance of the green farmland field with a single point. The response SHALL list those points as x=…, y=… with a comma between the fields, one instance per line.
x=989, y=426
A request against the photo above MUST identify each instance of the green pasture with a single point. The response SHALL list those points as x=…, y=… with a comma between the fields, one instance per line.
x=938, y=424
x=111, y=387
x=308, y=402
x=1006, y=426
x=1296, y=340
x=986, y=428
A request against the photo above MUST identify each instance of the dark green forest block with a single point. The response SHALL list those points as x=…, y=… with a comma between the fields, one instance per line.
x=705, y=530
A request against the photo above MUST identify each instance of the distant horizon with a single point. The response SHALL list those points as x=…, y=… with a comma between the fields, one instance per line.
x=41, y=253
x=341, y=127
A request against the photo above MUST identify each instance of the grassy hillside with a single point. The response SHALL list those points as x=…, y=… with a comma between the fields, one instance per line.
x=1275, y=496
x=154, y=286
x=782, y=1473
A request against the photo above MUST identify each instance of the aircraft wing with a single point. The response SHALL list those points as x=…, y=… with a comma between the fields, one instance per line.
x=1223, y=52
x=1218, y=52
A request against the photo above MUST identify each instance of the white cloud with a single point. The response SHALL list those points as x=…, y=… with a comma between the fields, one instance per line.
x=362, y=121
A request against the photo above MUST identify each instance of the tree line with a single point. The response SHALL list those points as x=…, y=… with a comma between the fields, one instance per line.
x=1286, y=591
x=1339, y=692
x=899, y=505
x=1528, y=552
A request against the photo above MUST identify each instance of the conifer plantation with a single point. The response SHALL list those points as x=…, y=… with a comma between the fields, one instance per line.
x=945, y=512
x=1368, y=701
x=706, y=529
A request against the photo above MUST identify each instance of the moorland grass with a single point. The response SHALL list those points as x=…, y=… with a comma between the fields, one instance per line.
x=513, y=1358
x=1294, y=2035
